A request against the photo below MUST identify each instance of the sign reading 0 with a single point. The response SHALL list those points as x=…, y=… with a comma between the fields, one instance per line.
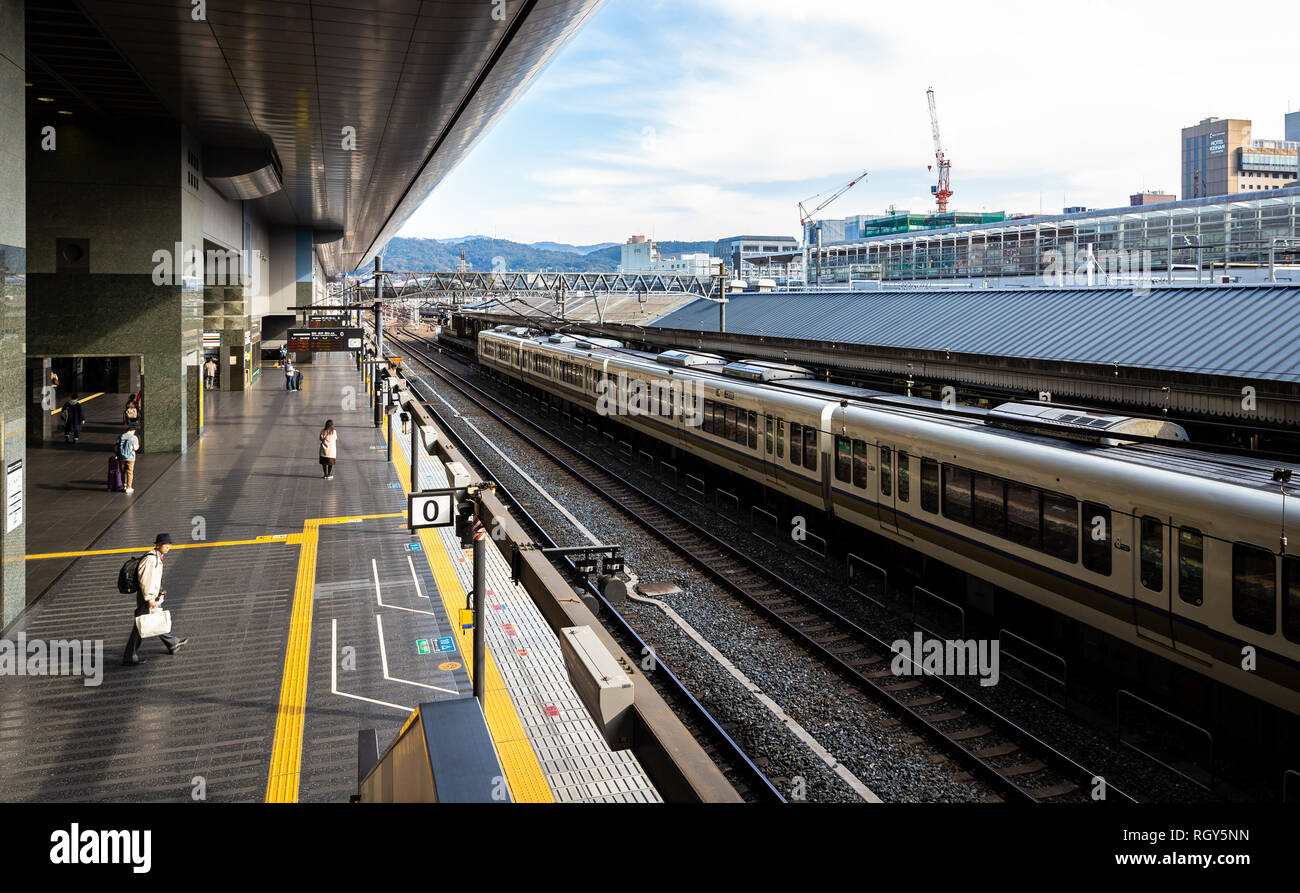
x=431, y=508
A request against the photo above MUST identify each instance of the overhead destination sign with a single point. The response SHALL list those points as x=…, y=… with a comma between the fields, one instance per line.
x=325, y=339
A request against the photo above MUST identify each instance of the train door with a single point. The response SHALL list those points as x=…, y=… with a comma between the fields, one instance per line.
x=888, y=512
x=1187, y=542
x=769, y=446
x=1152, y=576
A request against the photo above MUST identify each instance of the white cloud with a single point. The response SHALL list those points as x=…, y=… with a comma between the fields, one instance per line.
x=703, y=136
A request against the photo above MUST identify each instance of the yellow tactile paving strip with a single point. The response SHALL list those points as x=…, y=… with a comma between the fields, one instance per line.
x=518, y=760
x=286, y=750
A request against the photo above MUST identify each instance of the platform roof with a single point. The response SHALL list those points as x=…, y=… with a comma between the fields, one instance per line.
x=1235, y=331
x=420, y=80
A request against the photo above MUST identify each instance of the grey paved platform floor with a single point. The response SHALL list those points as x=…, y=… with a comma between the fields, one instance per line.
x=203, y=721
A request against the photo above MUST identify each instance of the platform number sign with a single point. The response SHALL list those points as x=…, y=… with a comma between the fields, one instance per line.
x=431, y=508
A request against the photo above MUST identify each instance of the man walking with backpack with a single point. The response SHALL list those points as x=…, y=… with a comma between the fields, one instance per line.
x=146, y=578
x=127, y=446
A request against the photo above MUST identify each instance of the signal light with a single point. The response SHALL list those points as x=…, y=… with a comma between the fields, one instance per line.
x=465, y=524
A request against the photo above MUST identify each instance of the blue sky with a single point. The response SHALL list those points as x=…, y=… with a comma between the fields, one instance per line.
x=697, y=120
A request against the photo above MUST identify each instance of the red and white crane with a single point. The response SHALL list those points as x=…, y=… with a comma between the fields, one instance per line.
x=943, y=191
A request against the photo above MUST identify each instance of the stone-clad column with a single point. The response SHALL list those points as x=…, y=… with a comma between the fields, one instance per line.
x=131, y=190
x=13, y=303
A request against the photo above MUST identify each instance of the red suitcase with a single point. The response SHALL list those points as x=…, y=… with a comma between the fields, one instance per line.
x=114, y=474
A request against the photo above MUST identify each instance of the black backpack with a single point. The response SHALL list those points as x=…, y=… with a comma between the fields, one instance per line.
x=128, y=578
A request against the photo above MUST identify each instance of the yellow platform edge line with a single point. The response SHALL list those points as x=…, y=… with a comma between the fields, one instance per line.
x=515, y=752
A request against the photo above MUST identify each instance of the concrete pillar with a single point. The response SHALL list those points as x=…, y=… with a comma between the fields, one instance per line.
x=133, y=284
x=13, y=310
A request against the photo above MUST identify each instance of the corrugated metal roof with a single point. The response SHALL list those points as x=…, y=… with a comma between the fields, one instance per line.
x=1246, y=331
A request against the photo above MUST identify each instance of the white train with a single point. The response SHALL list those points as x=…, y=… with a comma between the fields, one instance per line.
x=1173, y=549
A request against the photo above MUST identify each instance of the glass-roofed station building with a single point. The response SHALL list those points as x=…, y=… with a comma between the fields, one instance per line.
x=1242, y=238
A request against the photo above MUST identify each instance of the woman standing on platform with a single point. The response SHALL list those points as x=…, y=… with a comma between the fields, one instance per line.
x=329, y=447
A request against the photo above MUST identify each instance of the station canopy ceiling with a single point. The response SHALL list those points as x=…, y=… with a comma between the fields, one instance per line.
x=419, y=80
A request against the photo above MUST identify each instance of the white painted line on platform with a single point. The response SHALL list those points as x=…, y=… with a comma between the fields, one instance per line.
x=415, y=578
x=383, y=654
x=379, y=598
x=334, y=672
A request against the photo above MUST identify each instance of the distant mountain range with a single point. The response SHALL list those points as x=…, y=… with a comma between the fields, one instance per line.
x=481, y=252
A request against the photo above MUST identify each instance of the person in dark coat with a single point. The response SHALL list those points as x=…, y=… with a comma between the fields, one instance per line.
x=73, y=418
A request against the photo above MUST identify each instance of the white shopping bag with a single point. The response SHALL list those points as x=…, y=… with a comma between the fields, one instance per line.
x=159, y=623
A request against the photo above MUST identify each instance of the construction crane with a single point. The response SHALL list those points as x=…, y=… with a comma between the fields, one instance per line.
x=943, y=191
x=805, y=216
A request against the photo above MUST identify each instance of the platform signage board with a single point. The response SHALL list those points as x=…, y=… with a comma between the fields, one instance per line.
x=324, y=339
x=431, y=508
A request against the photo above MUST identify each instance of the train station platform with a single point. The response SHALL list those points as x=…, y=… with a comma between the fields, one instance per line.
x=311, y=613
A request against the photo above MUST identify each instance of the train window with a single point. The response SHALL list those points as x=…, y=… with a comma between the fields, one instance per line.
x=860, y=464
x=989, y=503
x=886, y=471
x=767, y=434
x=956, y=493
x=843, y=459
x=752, y=428
x=708, y=417
x=810, y=447
x=1024, y=515
x=780, y=438
x=904, y=477
x=1096, y=538
x=729, y=420
x=720, y=419
x=1291, y=598
x=1151, y=570
x=1061, y=527
x=930, y=485
x=1254, y=590
x=1191, y=570
x=796, y=443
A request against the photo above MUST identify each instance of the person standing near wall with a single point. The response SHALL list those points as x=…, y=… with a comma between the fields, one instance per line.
x=127, y=446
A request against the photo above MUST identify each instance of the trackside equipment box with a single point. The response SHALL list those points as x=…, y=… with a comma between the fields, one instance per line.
x=599, y=680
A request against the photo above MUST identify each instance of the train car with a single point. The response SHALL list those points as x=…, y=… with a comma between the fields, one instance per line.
x=1160, y=545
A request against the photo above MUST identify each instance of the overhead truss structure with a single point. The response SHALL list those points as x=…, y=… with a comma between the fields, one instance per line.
x=457, y=289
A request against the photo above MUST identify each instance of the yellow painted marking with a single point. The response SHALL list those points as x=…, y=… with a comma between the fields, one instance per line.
x=286, y=752
x=514, y=750
x=79, y=400
x=287, y=539
x=448, y=665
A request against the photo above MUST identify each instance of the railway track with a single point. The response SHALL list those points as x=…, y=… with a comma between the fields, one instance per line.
x=1007, y=757
x=739, y=768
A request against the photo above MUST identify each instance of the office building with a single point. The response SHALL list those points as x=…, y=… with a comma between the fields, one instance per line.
x=1220, y=157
